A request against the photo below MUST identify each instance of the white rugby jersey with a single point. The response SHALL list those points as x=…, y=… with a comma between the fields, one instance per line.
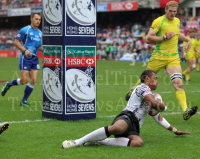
x=136, y=103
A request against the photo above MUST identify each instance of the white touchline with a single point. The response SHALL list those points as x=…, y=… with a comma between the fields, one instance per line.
x=106, y=116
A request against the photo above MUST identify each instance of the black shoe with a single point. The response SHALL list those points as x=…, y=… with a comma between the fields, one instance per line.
x=188, y=80
x=25, y=103
x=190, y=112
x=4, y=89
x=3, y=127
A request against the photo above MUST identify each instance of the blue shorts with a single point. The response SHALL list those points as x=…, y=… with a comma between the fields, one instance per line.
x=27, y=63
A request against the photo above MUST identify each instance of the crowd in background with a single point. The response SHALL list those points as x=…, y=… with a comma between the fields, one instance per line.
x=7, y=4
x=7, y=37
x=112, y=42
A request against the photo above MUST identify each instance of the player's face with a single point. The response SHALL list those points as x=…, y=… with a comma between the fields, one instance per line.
x=192, y=34
x=36, y=20
x=153, y=83
x=171, y=12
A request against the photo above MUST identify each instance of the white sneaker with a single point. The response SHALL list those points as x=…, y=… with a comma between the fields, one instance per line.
x=92, y=143
x=69, y=144
x=3, y=126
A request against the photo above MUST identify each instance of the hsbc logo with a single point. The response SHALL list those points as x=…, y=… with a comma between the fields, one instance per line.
x=117, y=6
x=89, y=61
x=80, y=61
x=52, y=61
x=129, y=6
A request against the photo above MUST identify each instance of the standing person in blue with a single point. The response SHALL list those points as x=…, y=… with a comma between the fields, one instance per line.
x=29, y=41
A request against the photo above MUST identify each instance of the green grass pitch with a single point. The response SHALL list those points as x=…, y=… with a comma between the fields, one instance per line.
x=39, y=138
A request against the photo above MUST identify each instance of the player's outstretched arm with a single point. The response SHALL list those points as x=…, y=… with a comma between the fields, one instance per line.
x=177, y=132
x=154, y=104
x=164, y=123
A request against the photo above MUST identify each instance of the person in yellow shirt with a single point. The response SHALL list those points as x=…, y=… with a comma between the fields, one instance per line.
x=190, y=56
x=165, y=32
x=197, y=54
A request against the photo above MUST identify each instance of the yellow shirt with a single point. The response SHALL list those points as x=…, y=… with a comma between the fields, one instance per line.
x=191, y=52
x=198, y=45
x=161, y=26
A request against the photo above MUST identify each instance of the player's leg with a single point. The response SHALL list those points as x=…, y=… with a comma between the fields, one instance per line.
x=132, y=141
x=185, y=72
x=133, y=60
x=100, y=134
x=30, y=86
x=24, y=68
x=176, y=78
x=136, y=141
x=197, y=63
x=22, y=80
x=191, y=66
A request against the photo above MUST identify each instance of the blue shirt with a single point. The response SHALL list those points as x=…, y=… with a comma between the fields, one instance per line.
x=30, y=39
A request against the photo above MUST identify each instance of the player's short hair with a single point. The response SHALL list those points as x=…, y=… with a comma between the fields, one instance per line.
x=33, y=14
x=146, y=73
x=172, y=4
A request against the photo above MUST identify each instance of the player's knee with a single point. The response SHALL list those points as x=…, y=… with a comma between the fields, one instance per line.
x=23, y=81
x=137, y=143
x=115, y=130
x=33, y=81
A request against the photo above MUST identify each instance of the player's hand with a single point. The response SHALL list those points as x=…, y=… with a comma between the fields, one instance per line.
x=178, y=132
x=28, y=53
x=187, y=48
x=170, y=35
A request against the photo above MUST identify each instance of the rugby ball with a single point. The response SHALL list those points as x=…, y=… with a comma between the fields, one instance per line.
x=153, y=112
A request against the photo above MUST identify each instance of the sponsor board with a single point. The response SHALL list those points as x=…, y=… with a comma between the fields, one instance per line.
x=52, y=56
x=52, y=22
x=192, y=24
x=164, y=2
x=80, y=83
x=19, y=12
x=3, y=13
x=122, y=6
x=36, y=10
x=102, y=7
x=52, y=86
x=80, y=18
x=5, y=53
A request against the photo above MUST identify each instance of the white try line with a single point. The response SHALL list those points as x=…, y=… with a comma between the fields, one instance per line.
x=106, y=116
x=172, y=113
x=29, y=121
x=185, y=91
